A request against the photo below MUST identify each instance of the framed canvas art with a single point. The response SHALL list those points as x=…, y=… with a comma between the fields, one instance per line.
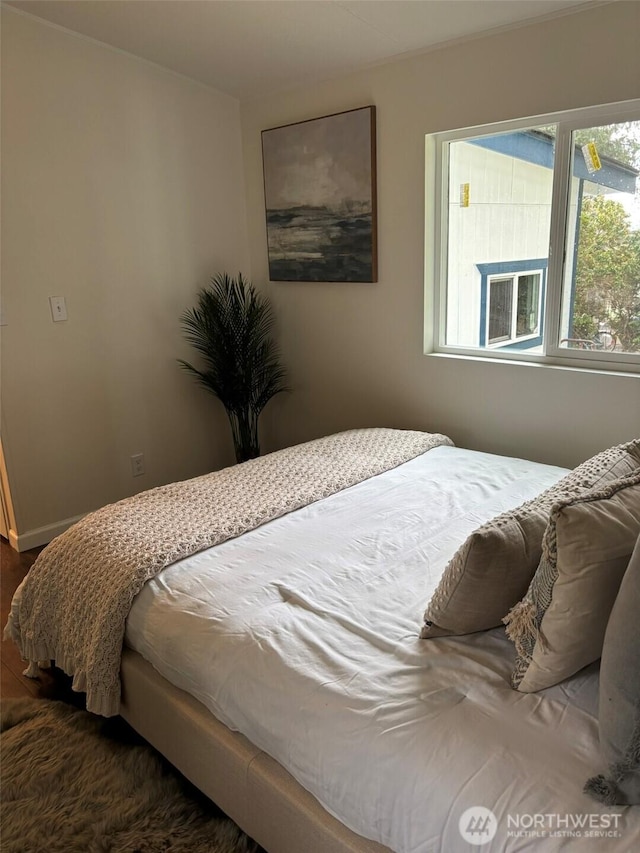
x=320, y=198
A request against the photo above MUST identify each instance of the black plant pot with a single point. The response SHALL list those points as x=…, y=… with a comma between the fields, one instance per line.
x=244, y=427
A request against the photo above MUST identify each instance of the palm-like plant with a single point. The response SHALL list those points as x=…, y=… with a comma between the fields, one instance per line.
x=231, y=328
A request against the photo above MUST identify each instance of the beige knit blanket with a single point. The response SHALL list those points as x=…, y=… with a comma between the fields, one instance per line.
x=73, y=604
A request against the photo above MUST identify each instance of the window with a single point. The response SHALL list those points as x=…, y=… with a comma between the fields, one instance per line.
x=514, y=308
x=537, y=238
x=510, y=302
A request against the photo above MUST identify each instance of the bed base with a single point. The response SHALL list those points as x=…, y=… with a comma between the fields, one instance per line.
x=247, y=784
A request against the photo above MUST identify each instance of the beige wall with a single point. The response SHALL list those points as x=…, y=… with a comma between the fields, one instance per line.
x=122, y=190
x=355, y=350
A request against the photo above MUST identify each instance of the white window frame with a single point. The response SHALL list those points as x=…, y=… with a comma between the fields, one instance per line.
x=514, y=277
x=436, y=240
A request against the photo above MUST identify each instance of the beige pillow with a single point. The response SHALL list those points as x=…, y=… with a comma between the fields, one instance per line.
x=559, y=627
x=619, y=706
x=492, y=570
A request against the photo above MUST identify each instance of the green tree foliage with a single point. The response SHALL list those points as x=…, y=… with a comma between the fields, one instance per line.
x=619, y=141
x=607, y=274
x=616, y=141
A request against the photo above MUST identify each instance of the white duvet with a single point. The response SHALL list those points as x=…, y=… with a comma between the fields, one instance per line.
x=303, y=635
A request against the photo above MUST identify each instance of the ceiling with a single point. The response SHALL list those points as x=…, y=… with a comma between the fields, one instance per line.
x=251, y=48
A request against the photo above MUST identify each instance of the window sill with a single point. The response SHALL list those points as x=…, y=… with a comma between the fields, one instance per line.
x=628, y=371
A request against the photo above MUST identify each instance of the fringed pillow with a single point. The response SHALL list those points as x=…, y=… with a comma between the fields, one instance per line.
x=619, y=711
x=559, y=626
x=492, y=569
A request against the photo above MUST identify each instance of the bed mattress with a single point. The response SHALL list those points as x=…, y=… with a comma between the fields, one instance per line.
x=303, y=635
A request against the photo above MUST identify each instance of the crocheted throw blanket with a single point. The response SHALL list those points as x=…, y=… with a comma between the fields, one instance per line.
x=73, y=605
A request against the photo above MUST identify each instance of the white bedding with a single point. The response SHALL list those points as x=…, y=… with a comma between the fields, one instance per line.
x=303, y=635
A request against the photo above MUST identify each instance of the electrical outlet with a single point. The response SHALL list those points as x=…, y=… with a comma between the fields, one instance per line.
x=137, y=464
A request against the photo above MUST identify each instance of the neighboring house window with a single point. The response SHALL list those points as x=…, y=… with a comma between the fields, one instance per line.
x=561, y=192
x=514, y=304
x=511, y=299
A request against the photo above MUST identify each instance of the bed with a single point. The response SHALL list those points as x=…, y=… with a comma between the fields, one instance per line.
x=282, y=671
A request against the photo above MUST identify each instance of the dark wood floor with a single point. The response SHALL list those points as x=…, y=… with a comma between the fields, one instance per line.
x=13, y=567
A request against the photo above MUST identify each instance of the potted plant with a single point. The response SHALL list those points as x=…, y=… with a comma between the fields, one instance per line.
x=231, y=327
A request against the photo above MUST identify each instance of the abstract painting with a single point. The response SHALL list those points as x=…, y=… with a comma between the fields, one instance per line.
x=320, y=198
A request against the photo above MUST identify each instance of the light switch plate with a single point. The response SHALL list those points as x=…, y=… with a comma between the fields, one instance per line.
x=58, y=308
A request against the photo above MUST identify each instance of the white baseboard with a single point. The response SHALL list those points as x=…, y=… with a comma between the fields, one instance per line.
x=41, y=535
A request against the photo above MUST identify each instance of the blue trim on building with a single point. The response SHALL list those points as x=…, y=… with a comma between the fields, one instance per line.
x=522, y=345
x=536, y=147
x=522, y=144
x=501, y=267
x=504, y=268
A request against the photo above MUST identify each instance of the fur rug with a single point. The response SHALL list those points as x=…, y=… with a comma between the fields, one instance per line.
x=74, y=782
